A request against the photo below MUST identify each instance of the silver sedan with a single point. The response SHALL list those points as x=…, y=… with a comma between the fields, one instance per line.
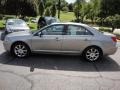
x=15, y=25
x=62, y=38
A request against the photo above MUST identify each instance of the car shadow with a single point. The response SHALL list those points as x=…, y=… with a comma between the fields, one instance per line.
x=61, y=62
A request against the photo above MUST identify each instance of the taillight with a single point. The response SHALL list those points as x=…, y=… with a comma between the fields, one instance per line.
x=114, y=39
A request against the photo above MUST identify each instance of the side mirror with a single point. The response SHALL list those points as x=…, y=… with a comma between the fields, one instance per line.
x=40, y=34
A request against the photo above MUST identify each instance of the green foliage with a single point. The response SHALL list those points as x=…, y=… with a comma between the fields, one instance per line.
x=76, y=12
x=41, y=8
x=93, y=9
x=53, y=10
x=32, y=26
x=105, y=29
x=19, y=7
x=109, y=8
x=83, y=11
x=29, y=7
x=2, y=26
x=1, y=16
x=70, y=7
x=48, y=3
x=65, y=9
x=8, y=17
x=113, y=21
x=47, y=12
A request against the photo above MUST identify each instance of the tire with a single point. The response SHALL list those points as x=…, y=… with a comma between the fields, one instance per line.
x=20, y=50
x=92, y=54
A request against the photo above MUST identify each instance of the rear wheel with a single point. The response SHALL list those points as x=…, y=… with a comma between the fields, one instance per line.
x=20, y=50
x=92, y=54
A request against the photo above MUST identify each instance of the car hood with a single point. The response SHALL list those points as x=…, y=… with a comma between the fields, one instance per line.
x=22, y=33
x=18, y=27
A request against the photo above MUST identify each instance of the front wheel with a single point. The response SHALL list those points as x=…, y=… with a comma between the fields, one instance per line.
x=92, y=54
x=20, y=50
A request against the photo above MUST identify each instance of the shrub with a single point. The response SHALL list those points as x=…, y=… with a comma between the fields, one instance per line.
x=105, y=29
x=1, y=17
x=8, y=17
x=48, y=12
x=65, y=9
x=113, y=21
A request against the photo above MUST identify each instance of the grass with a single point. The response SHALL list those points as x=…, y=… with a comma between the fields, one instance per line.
x=33, y=26
x=2, y=25
x=67, y=16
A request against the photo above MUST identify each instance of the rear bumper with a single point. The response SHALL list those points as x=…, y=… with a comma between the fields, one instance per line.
x=110, y=51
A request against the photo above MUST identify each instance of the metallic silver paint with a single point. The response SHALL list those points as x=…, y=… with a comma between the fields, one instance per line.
x=72, y=44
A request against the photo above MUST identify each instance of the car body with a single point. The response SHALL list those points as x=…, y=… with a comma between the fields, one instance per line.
x=62, y=38
x=15, y=25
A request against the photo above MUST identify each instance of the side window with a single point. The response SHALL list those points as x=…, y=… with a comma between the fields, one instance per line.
x=77, y=30
x=54, y=30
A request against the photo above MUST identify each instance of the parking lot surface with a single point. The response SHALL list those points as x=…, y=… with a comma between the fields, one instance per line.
x=58, y=72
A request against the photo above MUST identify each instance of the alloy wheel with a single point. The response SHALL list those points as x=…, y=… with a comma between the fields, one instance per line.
x=20, y=50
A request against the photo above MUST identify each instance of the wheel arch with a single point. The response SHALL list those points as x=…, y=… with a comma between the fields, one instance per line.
x=93, y=46
x=19, y=42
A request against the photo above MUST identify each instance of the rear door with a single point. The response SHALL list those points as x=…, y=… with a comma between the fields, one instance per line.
x=76, y=38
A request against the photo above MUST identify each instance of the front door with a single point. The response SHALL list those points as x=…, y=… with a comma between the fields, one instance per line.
x=49, y=40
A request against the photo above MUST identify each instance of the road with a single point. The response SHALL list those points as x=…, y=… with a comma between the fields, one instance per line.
x=58, y=72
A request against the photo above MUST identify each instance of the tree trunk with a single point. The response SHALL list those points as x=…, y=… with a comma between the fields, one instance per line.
x=113, y=28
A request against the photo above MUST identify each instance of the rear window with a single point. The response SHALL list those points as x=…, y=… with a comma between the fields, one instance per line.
x=17, y=22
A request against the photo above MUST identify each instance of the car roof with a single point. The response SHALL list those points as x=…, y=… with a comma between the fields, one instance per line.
x=71, y=23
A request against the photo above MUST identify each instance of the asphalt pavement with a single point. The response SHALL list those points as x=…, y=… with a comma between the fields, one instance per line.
x=58, y=72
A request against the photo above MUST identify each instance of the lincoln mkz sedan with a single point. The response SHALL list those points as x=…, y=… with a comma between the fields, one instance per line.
x=62, y=38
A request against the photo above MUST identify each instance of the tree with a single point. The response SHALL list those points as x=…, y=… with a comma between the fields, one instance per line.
x=83, y=11
x=93, y=9
x=77, y=7
x=41, y=7
x=47, y=12
x=109, y=8
x=113, y=21
x=19, y=7
x=53, y=10
x=77, y=14
x=65, y=9
x=48, y=3
x=70, y=7
x=80, y=9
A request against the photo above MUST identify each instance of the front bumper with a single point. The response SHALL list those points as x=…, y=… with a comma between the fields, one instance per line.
x=7, y=46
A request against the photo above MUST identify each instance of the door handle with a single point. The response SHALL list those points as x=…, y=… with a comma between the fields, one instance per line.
x=57, y=39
